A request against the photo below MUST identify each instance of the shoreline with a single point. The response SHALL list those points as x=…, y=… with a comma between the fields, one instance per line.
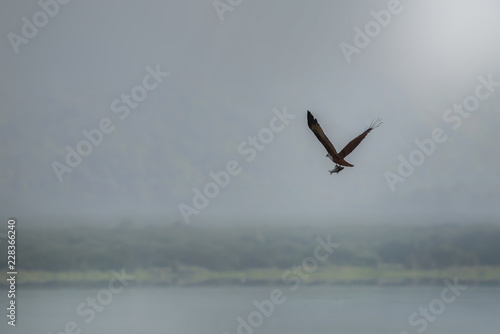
x=331, y=275
x=222, y=283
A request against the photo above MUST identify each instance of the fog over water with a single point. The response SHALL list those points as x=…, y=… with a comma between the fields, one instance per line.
x=178, y=90
x=158, y=164
x=349, y=310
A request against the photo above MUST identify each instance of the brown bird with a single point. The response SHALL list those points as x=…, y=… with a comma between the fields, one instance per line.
x=338, y=158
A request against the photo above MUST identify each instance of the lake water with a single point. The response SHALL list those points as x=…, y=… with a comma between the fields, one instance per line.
x=220, y=310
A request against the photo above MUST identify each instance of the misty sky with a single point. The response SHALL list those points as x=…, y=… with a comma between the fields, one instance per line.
x=227, y=80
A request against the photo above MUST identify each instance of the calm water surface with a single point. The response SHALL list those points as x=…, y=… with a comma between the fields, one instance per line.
x=194, y=310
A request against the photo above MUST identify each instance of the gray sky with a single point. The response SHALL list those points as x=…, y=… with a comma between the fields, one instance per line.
x=225, y=79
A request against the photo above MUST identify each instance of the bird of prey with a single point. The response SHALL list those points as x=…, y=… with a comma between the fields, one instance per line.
x=338, y=158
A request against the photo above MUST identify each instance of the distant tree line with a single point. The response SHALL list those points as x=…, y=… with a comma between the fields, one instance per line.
x=235, y=248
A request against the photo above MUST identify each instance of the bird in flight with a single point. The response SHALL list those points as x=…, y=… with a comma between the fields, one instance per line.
x=338, y=158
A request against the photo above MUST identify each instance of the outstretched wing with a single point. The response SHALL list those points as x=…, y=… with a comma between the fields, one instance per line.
x=318, y=132
x=355, y=142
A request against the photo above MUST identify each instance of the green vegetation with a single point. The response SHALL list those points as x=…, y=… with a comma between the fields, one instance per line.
x=181, y=254
x=270, y=276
